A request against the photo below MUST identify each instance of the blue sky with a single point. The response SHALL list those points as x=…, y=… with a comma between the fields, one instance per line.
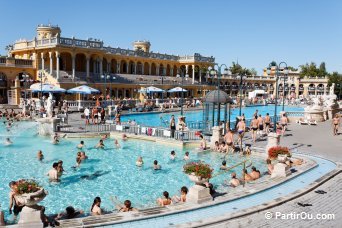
x=253, y=31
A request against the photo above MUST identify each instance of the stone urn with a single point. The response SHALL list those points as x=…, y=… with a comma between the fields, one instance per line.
x=197, y=180
x=31, y=212
x=198, y=193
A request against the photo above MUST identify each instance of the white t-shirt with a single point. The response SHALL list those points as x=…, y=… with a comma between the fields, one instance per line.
x=53, y=175
x=86, y=112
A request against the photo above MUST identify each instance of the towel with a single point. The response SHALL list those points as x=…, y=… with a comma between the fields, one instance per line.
x=118, y=127
x=143, y=130
x=167, y=133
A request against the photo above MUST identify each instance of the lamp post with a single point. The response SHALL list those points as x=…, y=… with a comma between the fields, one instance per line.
x=218, y=73
x=284, y=87
x=186, y=76
x=285, y=71
x=41, y=75
x=241, y=78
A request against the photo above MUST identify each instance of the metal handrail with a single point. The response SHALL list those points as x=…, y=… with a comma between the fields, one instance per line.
x=232, y=167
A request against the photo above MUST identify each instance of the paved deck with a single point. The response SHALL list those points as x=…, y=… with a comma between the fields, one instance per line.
x=328, y=203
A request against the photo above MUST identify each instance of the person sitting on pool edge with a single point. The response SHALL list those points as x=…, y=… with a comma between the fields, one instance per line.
x=69, y=213
x=173, y=155
x=224, y=165
x=166, y=200
x=100, y=145
x=245, y=176
x=182, y=198
x=234, y=182
x=126, y=207
x=96, y=207
x=155, y=165
x=255, y=174
x=186, y=156
x=217, y=146
x=139, y=162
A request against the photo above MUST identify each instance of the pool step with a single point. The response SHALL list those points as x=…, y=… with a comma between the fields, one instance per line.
x=92, y=220
x=152, y=210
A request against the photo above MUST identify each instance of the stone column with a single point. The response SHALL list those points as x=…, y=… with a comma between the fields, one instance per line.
x=42, y=58
x=116, y=93
x=88, y=68
x=118, y=66
x=200, y=76
x=132, y=93
x=171, y=71
x=94, y=66
x=164, y=70
x=109, y=67
x=187, y=69
x=157, y=69
x=101, y=66
x=57, y=65
x=143, y=68
x=73, y=58
x=193, y=74
x=149, y=68
x=51, y=63
x=135, y=67
x=127, y=67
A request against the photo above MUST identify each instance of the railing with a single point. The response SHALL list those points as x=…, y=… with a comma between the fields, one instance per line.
x=12, y=62
x=159, y=132
x=294, y=114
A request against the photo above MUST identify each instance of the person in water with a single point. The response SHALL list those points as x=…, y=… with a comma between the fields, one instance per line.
x=126, y=207
x=203, y=145
x=100, y=145
x=96, y=207
x=116, y=143
x=173, y=155
x=139, y=162
x=224, y=165
x=234, y=182
x=186, y=156
x=60, y=168
x=69, y=213
x=40, y=155
x=83, y=156
x=55, y=139
x=8, y=142
x=182, y=198
x=53, y=173
x=156, y=166
x=166, y=200
x=124, y=137
x=81, y=145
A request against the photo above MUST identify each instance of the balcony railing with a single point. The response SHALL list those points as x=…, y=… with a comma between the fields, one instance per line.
x=99, y=45
x=12, y=62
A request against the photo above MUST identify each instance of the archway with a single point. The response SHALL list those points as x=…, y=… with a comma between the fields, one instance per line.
x=168, y=70
x=131, y=67
x=153, y=69
x=146, y=68
x=113, y=66
x=65, y=61
x=123, y=67
x=81, y=62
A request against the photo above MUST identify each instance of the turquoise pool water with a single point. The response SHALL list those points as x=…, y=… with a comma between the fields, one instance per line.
x=118, y=174
x=153, y=119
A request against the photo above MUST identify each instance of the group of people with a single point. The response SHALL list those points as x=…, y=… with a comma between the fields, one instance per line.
x=97, y=116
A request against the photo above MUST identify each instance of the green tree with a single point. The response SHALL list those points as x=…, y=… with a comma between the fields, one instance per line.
x=309, y=70
x=322, y=71
x=292, y=68
x=336, y=78
x=253, y=71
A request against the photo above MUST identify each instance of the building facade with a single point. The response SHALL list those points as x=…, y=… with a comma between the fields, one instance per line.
x=69, y=62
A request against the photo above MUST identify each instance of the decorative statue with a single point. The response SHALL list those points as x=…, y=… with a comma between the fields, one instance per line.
x=332, y=89
x=49, y=106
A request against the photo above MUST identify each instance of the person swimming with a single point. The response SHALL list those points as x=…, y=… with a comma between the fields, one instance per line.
x=8, y=142
x=55, y=139
x=116, y=143
x=155, y=165
x=81, y=145
x=173, y=155
x=100, y=145
x=186, y=156
x=139, y=162
x=124, y=137
x=40, y=155
x=224, y=166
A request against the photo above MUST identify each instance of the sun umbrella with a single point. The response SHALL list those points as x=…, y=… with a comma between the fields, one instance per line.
x=83, y=90
x=177, y=89
x=153, y=89
x=46, y=88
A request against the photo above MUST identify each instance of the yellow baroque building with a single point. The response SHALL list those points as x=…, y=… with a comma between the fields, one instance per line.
x=69, y=62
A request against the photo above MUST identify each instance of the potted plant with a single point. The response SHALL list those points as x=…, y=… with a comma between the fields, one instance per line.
x=28, y=192
x=275, y=151
x=198, y=172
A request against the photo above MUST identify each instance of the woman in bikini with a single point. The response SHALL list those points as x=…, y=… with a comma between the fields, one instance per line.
x=166, y=200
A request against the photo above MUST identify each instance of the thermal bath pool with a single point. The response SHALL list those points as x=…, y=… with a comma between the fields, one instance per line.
x=117, y=173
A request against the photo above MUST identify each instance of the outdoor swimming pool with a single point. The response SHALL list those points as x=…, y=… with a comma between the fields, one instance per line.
x=154, y=119
x=117, y=173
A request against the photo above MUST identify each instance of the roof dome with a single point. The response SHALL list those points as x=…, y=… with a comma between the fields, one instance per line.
x=217, y=96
